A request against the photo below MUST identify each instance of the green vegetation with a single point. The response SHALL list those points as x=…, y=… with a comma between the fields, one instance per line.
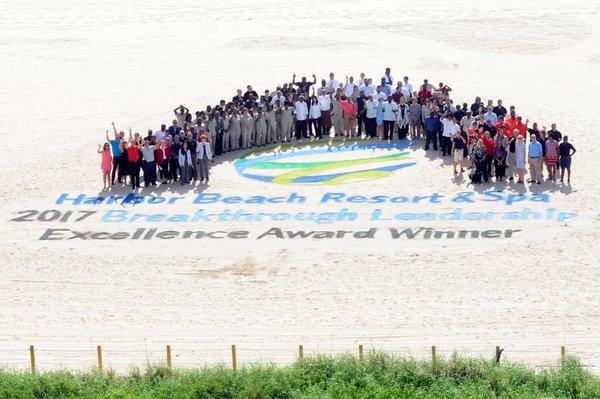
x=377, y=376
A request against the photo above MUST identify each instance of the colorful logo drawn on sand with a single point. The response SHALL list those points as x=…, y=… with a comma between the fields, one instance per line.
x=324, y=163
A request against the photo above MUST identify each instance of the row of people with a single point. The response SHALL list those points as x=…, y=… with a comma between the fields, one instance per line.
x=304, y=110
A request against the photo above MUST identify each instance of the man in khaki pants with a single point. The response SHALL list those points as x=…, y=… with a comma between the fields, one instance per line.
x=535, y=160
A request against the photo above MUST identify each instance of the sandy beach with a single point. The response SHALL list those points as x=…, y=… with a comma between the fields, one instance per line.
x=62, y=84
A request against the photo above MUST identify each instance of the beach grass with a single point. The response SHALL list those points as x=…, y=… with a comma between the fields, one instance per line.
x=377, y=376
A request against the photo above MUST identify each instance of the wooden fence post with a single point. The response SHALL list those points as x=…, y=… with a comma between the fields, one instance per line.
x=169, y=356
x=361, y=354
x=32, y=358
x=99, y=355
x=433, y=353
x=233, y=358
x=563, y=353
x=300, y=351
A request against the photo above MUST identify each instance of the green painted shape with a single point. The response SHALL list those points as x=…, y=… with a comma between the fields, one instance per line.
x=341, y=163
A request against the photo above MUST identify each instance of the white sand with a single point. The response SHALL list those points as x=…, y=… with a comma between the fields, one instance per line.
x=69, y=70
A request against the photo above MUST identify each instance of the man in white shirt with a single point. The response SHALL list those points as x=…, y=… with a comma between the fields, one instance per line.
x=371, y=113
x=408, y=86
x=278, y=97
x=367, y=88
x=325, y=105
x=388, y=77
x=379, y=95
x=361, y=81
x=301, y=112
x=332, y=83
x=349, y=87
x=450, y=128
x=162, y=133
x=389, y=117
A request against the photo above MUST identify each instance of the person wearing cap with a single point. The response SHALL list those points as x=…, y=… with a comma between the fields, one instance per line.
x=535, y=160
x=458, y=144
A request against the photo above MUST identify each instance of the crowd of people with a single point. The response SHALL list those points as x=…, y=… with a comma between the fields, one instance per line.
x=484, y=137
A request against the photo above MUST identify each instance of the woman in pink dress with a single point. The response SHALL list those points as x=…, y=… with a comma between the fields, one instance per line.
x=551, y=157
x=106, y=164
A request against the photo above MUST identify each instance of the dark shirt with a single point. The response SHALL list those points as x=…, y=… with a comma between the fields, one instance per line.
x=304, y=86
x=247, y=95
x=490, y=128
x=174, y=130
x=432, y=123
x=175, y=147
x=564, y=149
x=360, y=105
x=192, y=144
x=499, y=110
x=556, y=134
x=459, y=114
x=458, y=143
x=237, y=100
x=475, y=109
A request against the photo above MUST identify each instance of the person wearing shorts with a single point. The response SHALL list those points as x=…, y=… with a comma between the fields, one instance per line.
x=565, y=151
x=458, y=144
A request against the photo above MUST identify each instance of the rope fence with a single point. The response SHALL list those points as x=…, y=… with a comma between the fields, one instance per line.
x=233, y=356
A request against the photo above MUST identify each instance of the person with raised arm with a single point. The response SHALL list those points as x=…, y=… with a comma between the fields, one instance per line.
x=304, y=85
x=181, y=113
x=119, y=161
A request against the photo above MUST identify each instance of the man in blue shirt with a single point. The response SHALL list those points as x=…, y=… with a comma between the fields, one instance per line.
x=535, y=160
x=491, y=116
x=118, y=159
x=432, y=128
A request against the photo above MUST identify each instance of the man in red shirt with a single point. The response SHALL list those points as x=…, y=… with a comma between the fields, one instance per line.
x=424, y=93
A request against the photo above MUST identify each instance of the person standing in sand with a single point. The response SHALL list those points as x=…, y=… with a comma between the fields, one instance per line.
x=235, y=130
x=551, y=156
x=520, y=156
x=325, y=101
x=181, y=113
x=260, y=128
x=535, y=160
x=314, y=121
x=566, y=151
x=204, y=157
x=185, y=163
x=247, y=123
x=337, y=116
x=106, y=163
x=271, y=124
x=287, y=122
x=458, y=144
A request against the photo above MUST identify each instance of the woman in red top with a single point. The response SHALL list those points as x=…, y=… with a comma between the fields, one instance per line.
x=162, y=154
x=348, y=114
x=489, y=144
x=134, y=163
